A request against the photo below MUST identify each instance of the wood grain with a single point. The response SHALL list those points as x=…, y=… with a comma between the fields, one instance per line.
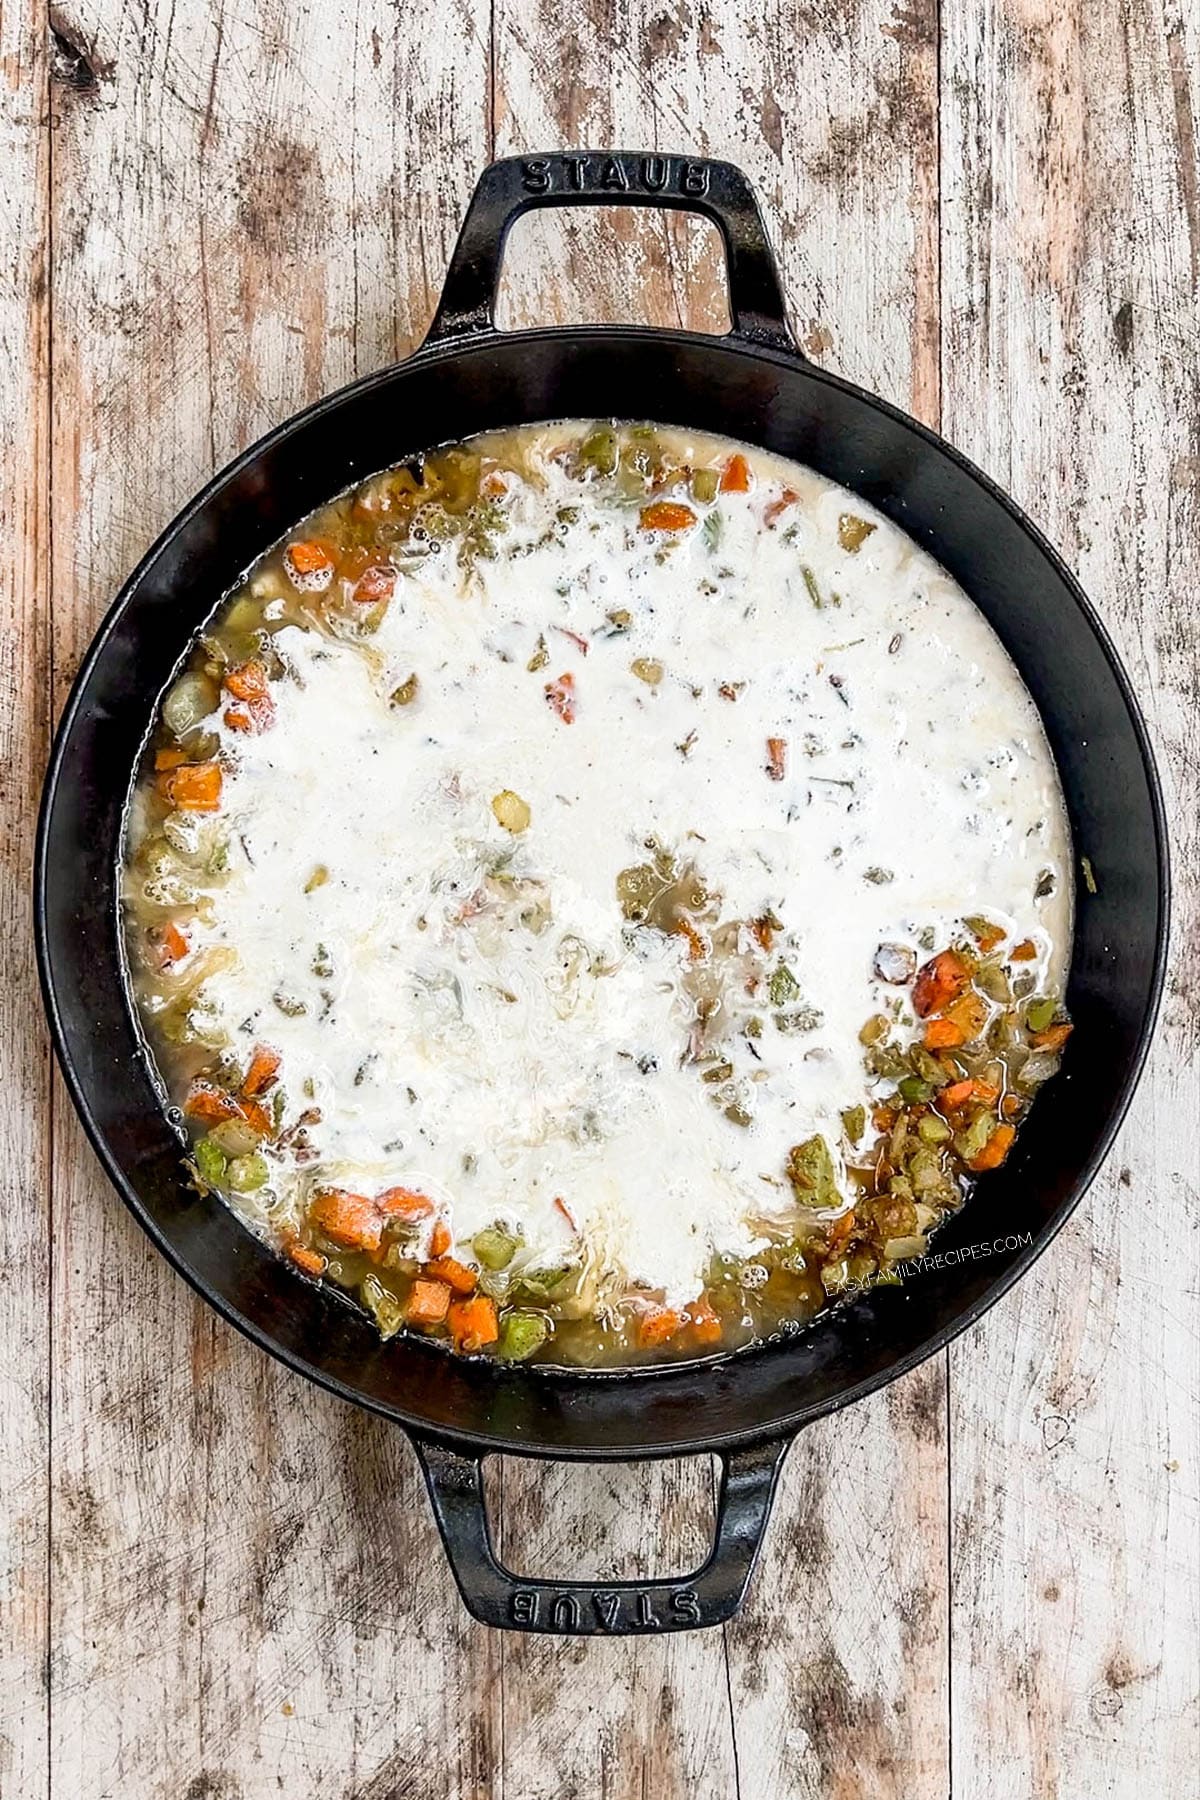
x=1070, y=374
x=247, y=1590
x=983, y=1579
x=845, y=1693
x=24, y=1060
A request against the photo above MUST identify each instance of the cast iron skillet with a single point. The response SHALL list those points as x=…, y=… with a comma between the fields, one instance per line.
x=752, y=384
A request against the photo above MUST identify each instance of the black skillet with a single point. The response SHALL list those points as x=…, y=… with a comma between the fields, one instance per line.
x=752, y=384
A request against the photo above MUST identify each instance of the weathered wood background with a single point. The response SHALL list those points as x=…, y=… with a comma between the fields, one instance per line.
x=219, y=1584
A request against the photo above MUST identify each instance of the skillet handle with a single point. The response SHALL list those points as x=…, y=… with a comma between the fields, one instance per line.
x=717, y=190
x=494, y=1595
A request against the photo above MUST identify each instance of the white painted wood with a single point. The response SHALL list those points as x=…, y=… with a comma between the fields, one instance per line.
x=1070, y=238
x=25, y=1203
x=249, y=204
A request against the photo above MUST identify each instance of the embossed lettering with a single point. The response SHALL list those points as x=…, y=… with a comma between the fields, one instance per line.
x=524, y=1606
x=693, y=178
x=577, y=169
x=685, y=1604
x=608, y=1608
x=612, y=175
x=535, y=175
x=645, y=1610
x=564, y=1614
x=655, y=170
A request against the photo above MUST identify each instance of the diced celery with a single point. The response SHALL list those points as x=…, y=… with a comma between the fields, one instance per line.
x=811, y=1173
x=382, y=1303
x=495, y=1248
x=521, y=1333
x=211, y=1161
x=246, y=1174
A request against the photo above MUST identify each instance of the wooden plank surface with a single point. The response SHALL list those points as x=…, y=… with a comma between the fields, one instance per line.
x=247, y=1589
x=982, y=1580
x=1070, y=374
x=24, y=1056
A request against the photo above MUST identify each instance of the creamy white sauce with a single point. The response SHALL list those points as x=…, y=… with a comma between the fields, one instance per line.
x=452, y=1047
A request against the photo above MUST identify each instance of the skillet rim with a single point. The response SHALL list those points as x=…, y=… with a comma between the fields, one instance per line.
x=785, y=1425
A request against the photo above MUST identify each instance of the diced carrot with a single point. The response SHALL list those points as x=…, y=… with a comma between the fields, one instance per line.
x=705, y=1326
x=939, y=981
x=942, y=1034
x=264, y=1067
x=561, y=696
x=657, y=1325
x=995, y=1150
x=404, y=1203
x=987, y=935
x=441, y=1240
x=840, y=1229
x=248, y=681
x=697, y=945
x=348, y=1219
x=883, y=1117
x=374, y=584
x=788, y=498
x=311, y=1261
x=1053, y=1038
x=457, y=1275
x=735, y=476
x=1010, y=1106
x=310, y=557
x=960, y=1092
x=255, y=1116
x=970, y=1012
x=1025, y=951
x=251, y=719
x=494, y=483
x=427, y=1303
x=192, y=787
x=764, y=932
x=776, y=758
x=473, y=1323
x=666, y=515
x=170, y=944
x=169, y=759
x=210, y=1104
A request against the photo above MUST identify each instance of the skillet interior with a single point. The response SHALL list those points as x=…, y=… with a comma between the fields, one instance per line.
x=767, y=398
